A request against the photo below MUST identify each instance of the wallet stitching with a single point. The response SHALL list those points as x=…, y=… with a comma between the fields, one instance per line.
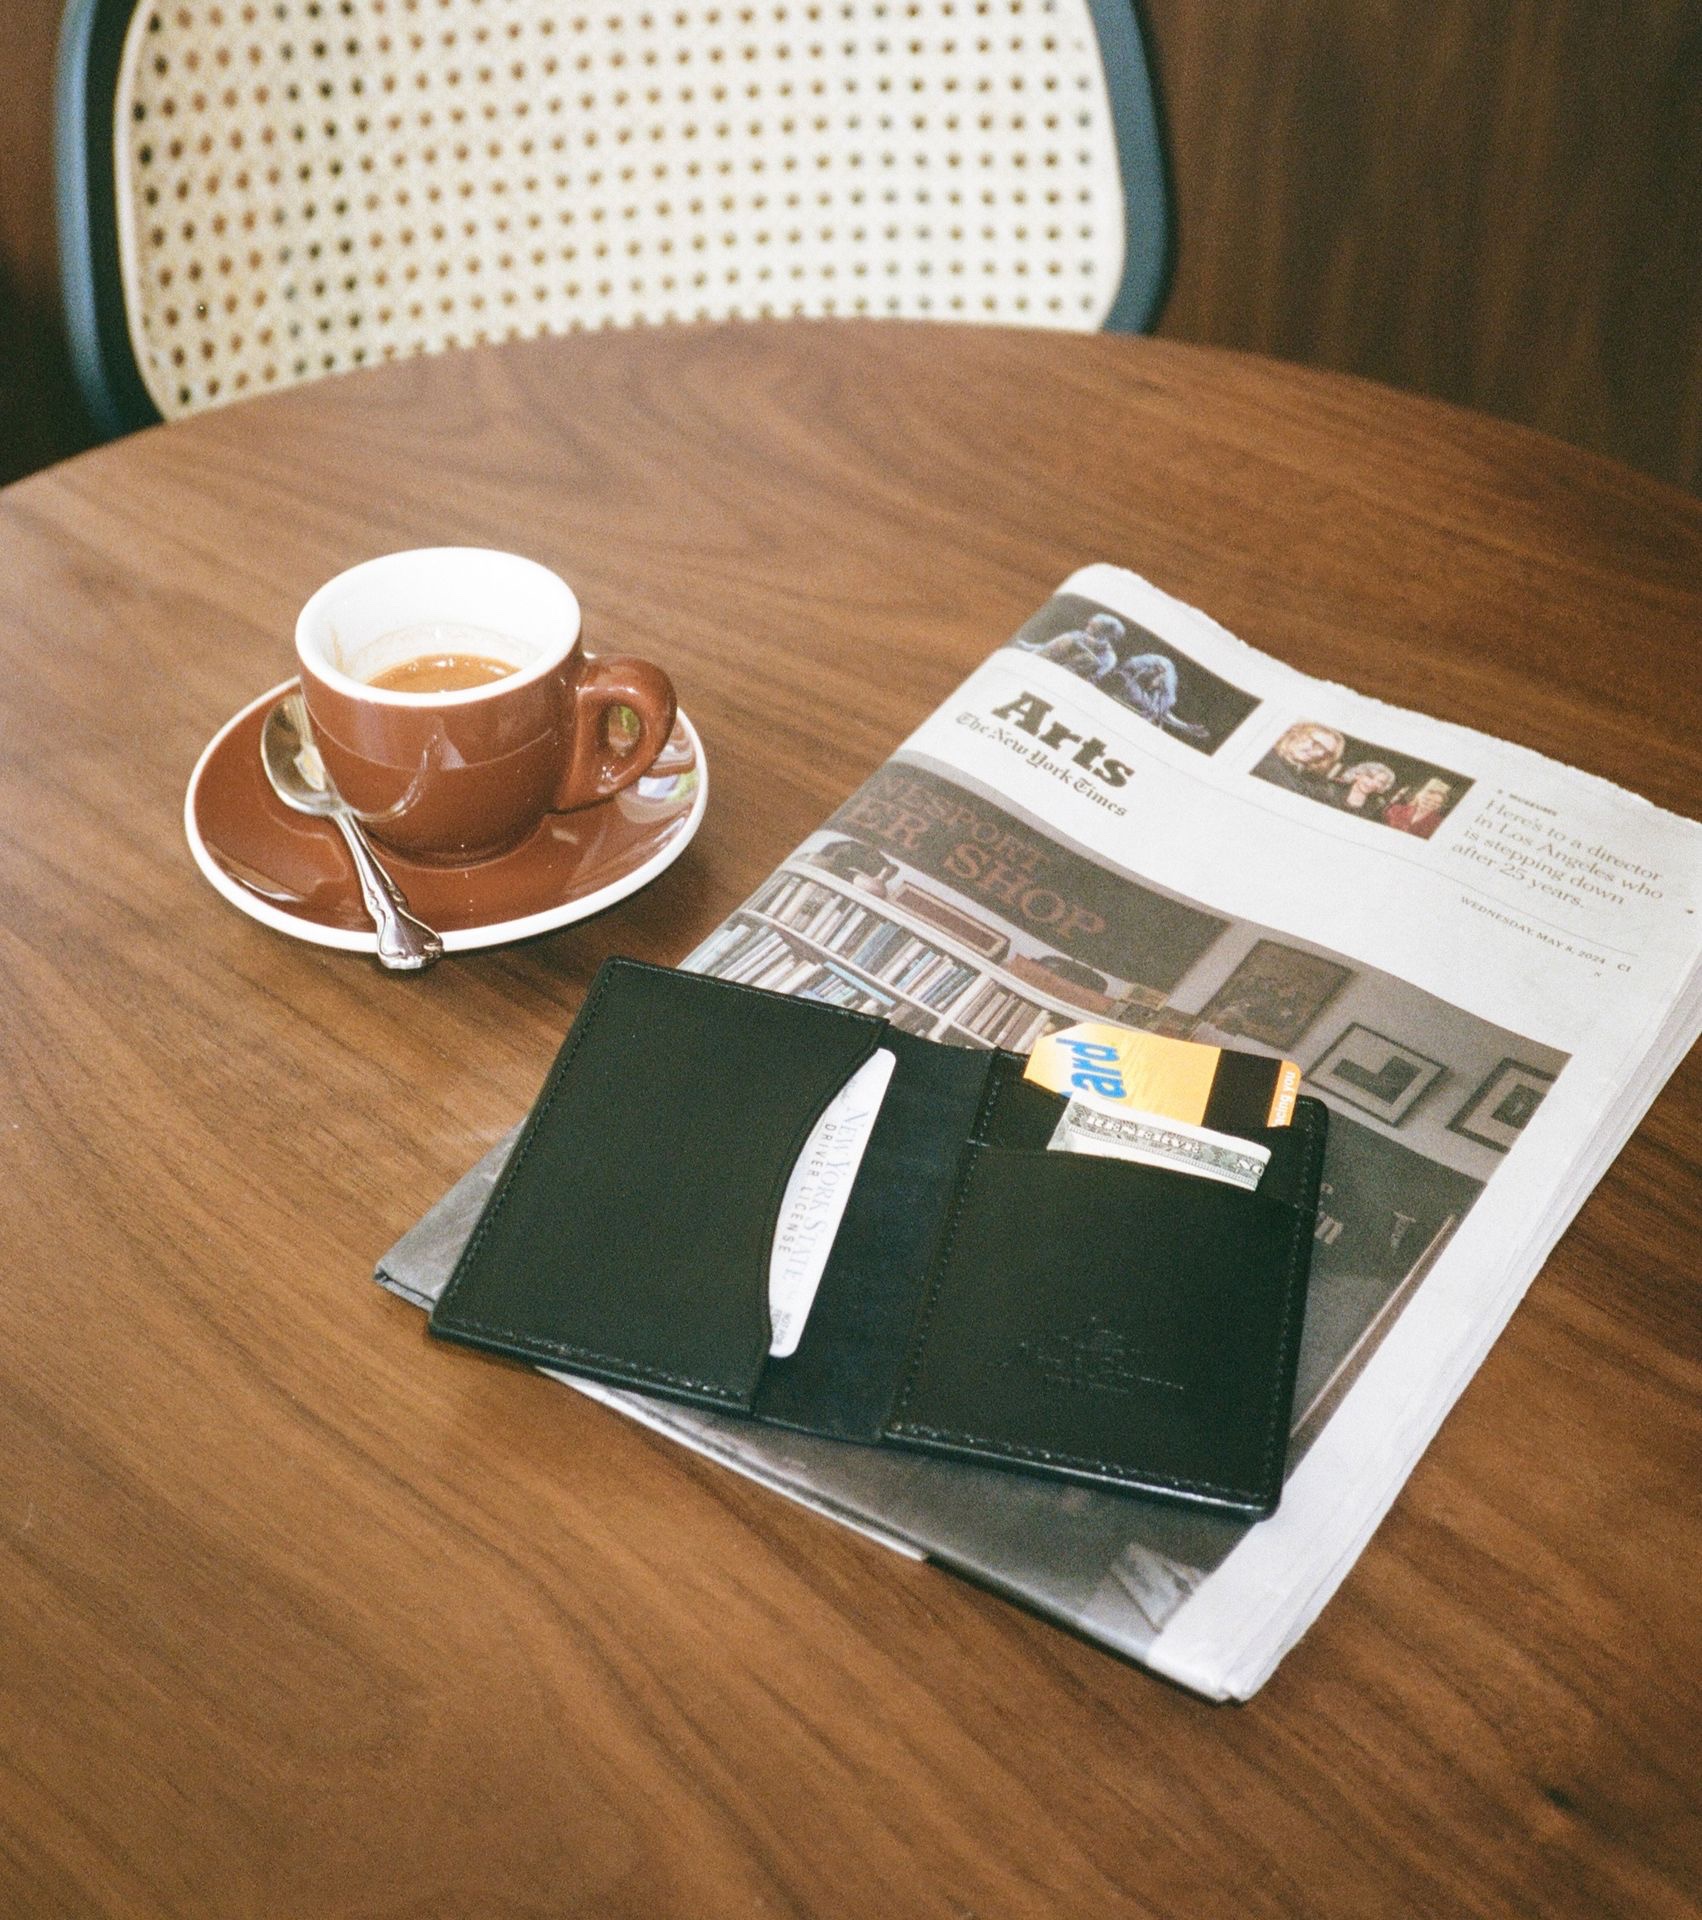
x=587, y=1017
x=919, y=1340
x=611, y=1363
x=992, y=1092
x=997, y=1091
x=1111, y=1469
x=1304, y=1225
x=560, y=1349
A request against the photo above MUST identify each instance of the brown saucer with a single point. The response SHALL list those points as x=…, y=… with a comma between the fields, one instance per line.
x=293, y=873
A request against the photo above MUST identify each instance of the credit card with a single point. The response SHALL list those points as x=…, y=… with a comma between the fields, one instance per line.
x=813, y=1204
x=1185, y=1080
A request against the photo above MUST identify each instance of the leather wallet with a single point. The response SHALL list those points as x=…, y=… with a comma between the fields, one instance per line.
x=984, y=1298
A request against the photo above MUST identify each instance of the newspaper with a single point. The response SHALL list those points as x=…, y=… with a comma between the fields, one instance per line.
x=1486, y=965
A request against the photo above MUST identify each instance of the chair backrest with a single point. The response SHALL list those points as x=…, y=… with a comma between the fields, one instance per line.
x=254, y=192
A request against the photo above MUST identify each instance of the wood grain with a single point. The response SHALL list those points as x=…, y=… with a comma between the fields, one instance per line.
x=304, y=1616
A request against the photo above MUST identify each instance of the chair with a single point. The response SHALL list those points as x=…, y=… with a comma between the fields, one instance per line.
x=254, y=192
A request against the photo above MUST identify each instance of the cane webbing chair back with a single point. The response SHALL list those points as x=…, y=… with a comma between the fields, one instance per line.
x=288, y=188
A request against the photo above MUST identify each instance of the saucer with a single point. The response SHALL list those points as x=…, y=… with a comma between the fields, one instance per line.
x=293, y=872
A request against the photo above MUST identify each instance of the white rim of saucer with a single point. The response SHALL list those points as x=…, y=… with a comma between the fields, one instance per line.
x=466, y=939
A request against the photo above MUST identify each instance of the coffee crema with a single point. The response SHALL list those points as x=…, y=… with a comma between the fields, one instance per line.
x=451, y=659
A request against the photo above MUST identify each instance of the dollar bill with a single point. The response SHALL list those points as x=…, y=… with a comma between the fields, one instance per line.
x=1156, y=1142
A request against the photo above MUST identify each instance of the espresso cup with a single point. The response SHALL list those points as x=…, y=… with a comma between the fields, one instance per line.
x=459, y=776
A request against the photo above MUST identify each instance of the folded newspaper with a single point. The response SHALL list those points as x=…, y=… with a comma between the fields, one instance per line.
x=1485, y=963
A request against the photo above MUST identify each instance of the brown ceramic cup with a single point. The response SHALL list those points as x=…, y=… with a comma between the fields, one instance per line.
x=461, y=776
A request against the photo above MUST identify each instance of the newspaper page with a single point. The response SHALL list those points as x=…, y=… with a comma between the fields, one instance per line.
x=1486, y=964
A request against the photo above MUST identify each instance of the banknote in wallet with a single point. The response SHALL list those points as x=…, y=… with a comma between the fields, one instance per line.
x=1171, y=1103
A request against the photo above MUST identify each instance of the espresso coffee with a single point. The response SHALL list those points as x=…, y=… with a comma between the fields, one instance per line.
x=451, y=658
x=455, y=707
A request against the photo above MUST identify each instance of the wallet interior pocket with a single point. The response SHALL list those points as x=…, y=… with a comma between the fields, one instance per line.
x=1113, y=1322
x=591, y=1253
x=841, y=1379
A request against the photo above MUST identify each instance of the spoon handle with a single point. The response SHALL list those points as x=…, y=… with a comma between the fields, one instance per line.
x=405, y=944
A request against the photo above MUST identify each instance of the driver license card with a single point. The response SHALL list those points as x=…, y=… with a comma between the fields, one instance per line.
x=816, y=1194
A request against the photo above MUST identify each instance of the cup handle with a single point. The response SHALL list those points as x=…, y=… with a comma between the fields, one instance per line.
x=596, y=766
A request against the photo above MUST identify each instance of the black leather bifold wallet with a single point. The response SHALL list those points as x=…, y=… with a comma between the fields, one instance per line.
x=984, y=1298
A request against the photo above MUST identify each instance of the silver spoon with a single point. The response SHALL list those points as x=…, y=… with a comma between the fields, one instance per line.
x=299, y=779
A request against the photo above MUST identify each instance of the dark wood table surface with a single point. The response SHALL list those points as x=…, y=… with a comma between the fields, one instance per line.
x=301, y=1615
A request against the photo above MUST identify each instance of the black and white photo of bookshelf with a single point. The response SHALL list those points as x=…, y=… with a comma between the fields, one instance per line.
x=950, y=917
x=809, y=934
x=876, y=945
x=757, y=955
x=998, y=1016
x=832, y=926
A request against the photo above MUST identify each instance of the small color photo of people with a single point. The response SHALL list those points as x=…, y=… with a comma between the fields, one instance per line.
x=1138, y=670
x=1321, y=763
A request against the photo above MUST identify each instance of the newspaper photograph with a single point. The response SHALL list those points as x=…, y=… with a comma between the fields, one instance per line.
x=1484, y=964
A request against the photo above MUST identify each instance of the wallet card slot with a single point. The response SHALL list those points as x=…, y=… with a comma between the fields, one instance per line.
x=1112, y=1322
x=1016, y=1112
x=629, y=1235
x=842, y=1377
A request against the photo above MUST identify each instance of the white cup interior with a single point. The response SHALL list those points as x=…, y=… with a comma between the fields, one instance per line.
x=381, y=613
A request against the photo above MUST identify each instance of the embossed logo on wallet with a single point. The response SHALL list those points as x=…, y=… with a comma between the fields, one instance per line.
x=1096, y=1358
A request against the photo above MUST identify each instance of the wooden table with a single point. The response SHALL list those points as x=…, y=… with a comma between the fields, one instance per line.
x=302, y=1616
